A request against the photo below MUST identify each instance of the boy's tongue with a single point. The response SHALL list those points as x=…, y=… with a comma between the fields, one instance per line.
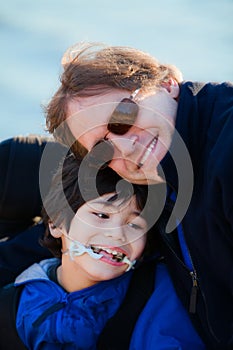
x=107, y=255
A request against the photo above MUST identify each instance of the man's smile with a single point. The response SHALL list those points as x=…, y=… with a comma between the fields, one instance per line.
x=150, y=147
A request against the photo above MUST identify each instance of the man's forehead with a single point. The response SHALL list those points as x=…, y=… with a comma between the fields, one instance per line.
x=93, y=110
x=90, y=120
x=96, y=112
x=90, y=115
x=85, y=102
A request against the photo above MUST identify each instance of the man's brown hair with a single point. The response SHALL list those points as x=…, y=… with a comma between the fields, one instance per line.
x=91, y=69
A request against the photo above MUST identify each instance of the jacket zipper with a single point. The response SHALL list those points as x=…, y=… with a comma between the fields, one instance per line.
x=193, y=296
x=188, y=263
x=195, y=285
x=191, y=270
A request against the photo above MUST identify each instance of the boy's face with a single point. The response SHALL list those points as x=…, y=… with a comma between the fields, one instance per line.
x=138, y=152
x=112, y=229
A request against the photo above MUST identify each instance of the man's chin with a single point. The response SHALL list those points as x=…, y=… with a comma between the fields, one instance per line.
x=141, y=177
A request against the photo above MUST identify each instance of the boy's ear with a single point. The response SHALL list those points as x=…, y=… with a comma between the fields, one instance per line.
x=172, y=87
x=56, y=232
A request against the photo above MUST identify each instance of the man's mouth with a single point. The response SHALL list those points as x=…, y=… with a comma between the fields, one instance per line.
x=148, y=151
x=113, y=254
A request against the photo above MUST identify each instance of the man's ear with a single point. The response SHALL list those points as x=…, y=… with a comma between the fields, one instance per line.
x=56, y=232
x=172, y=87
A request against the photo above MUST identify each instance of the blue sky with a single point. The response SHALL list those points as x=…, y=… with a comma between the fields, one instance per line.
x=197, y=36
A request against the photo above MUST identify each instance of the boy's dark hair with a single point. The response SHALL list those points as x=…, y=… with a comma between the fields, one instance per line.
x=63, y=201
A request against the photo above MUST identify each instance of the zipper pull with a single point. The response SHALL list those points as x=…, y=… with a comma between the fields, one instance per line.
x=193, y=296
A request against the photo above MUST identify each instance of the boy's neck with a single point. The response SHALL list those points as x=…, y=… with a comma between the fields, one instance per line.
x=71, y=279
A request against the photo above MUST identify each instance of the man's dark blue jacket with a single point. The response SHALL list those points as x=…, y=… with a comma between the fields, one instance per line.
x=205, y=123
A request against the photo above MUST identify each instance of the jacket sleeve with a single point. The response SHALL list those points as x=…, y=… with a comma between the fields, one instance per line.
x=220, y=175
x=18, y=253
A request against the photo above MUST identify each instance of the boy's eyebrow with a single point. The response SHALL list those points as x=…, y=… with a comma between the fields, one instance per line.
x=103, y=202
x=106, y=203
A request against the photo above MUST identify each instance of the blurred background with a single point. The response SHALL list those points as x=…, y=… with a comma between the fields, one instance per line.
x=196, y=36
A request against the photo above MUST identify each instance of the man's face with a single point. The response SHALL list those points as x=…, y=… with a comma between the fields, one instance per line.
x=138, y=152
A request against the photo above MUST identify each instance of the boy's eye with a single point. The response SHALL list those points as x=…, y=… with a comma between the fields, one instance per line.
x=136, y=227
x=101, y=215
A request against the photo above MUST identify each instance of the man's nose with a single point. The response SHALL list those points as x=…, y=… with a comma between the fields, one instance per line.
x=126, y=145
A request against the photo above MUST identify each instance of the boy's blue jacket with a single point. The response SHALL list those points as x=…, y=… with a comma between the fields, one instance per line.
x=50, y=318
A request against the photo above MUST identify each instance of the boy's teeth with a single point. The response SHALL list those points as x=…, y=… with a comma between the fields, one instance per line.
x=109, y=251
x=115, y=253
x=95, y=249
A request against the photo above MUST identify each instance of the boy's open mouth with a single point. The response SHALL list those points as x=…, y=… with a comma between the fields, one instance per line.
x=113, y=254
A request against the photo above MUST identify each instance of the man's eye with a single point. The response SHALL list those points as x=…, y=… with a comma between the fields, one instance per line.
x=101, y=215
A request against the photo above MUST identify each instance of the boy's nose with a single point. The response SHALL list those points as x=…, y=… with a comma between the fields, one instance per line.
x=116, y=233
